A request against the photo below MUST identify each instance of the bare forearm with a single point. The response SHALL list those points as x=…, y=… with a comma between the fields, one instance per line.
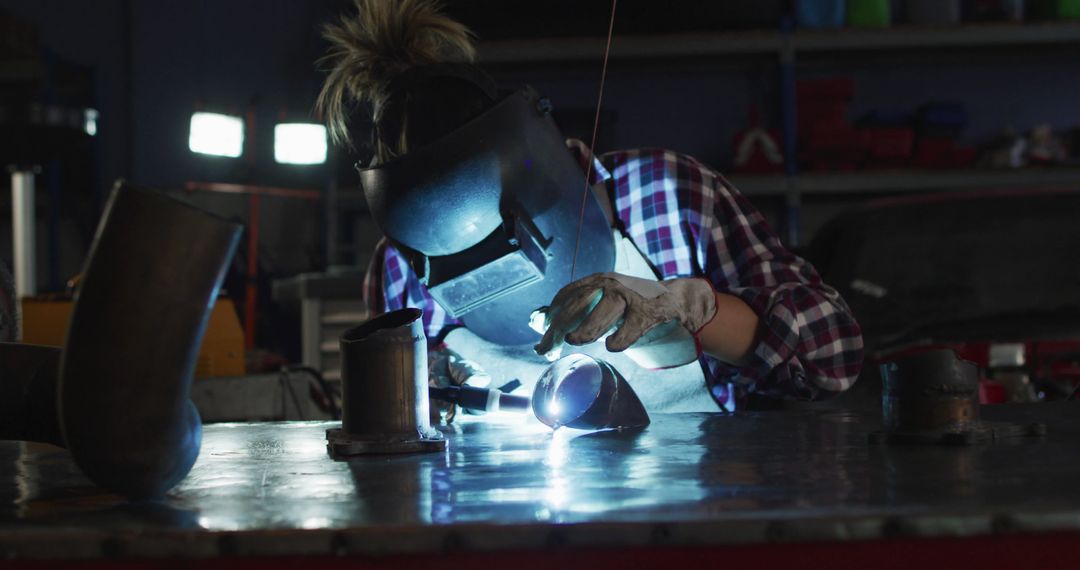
x=732, y=334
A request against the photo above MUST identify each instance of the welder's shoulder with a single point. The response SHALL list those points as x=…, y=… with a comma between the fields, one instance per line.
x=684, y=183
x=662, y=164
x=389, y=266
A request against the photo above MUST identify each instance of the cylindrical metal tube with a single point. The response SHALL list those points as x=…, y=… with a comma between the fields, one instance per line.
x=384, y=376
x=23, y=233
x=151, y=278
x=930, y=391
x=384, y=388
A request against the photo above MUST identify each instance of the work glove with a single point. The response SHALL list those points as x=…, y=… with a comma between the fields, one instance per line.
x=448, y=368
x=586, y=309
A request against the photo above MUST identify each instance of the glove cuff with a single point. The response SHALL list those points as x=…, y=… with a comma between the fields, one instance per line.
x=697, y=302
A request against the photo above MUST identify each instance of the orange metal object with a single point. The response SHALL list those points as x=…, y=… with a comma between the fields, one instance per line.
x=45, y=322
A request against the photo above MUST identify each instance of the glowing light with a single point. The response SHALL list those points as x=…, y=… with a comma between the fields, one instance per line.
x=315, y=522
x=554, y=408
x=300, y=143
x=557, y=494
x=558, y=452
x=90, y=119
x=215, y=134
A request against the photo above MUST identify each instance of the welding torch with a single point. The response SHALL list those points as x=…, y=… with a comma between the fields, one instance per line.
x=481, y=399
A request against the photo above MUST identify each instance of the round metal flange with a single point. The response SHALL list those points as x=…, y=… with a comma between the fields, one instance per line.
x=341, y=444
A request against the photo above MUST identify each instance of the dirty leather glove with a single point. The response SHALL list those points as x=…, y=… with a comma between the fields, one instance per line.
x=448, y=368
x=586, y=309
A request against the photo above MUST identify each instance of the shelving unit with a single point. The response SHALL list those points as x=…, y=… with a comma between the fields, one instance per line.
x=43, y=101
x=906, y=181
x=786, y=48
x=794, y=186
x=653, y=47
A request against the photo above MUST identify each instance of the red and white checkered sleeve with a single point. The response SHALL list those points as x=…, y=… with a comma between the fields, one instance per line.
x=810, y=347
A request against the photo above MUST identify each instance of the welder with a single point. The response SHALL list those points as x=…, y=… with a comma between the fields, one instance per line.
x=493, y=221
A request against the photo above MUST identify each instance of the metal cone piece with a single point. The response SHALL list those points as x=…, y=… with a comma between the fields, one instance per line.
x=582, y=392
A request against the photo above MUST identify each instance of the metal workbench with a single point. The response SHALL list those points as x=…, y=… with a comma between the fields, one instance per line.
x=689, y=487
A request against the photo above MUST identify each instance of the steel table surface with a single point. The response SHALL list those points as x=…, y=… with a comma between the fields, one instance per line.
x=508, y=483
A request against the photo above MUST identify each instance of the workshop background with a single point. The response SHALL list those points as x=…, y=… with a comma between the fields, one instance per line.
x=816, y=110
x=924, y=155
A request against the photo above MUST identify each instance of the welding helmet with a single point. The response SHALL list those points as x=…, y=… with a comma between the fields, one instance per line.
x=488, y=216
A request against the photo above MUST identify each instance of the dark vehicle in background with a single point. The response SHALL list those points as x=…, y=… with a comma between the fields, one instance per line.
x=994, y=275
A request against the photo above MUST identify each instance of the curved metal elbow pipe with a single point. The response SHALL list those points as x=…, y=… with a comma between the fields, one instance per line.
x=151, y=278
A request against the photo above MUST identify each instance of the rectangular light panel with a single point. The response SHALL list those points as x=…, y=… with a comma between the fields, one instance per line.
x=216, y=134
x=300, y=143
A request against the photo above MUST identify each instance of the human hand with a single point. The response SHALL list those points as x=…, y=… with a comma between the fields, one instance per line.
x=586, y=309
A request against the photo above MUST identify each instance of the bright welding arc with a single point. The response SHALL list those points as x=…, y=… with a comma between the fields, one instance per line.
x=592, y=144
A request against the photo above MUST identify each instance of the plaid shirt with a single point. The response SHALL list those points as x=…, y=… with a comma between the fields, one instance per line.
x=689, y=221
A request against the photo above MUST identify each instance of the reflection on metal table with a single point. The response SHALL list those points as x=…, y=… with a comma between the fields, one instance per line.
x=759, y=484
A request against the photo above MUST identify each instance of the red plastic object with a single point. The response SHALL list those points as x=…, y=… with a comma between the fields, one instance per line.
x=891, y=142
x=933, y=152
x=991, y=392
x=832, y=88
x=834, y=147
x=832, y=113
x=942, y=153
x=963, y=157
x=841, y=138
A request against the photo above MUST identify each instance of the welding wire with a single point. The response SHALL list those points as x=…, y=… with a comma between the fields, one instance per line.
x=592, y=144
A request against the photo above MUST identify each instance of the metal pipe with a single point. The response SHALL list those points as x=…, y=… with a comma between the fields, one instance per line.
x=932, y=397
x=931, y=391
x=384, y=392
x=23, y=234
x=149, y=283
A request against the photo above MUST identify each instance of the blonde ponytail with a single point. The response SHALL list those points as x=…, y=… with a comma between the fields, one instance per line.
x=384, y=39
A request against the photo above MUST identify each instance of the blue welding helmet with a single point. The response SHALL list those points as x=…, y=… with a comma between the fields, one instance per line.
x=488, y=216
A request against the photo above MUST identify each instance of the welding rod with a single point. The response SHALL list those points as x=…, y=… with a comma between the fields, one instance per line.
x=480, y=399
